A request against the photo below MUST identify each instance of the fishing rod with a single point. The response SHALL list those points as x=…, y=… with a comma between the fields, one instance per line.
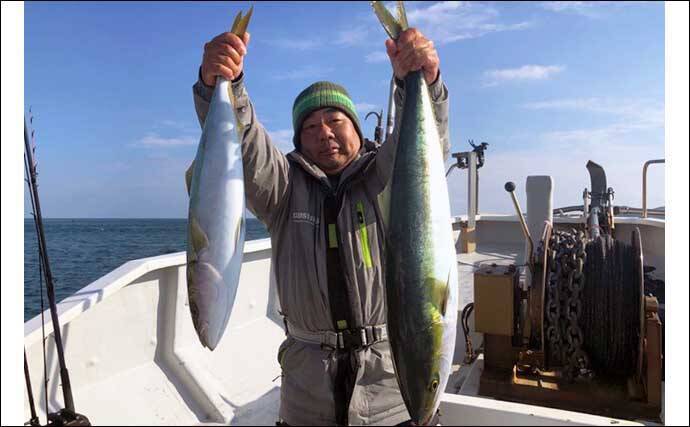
x=66, y=416
x=34, y=418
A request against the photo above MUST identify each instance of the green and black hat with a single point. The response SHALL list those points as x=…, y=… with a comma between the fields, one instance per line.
x=321, y=95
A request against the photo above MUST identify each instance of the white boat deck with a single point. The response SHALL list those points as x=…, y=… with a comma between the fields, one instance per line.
x=134, y=357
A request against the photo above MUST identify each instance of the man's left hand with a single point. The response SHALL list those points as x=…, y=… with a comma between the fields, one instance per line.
x=411, y=52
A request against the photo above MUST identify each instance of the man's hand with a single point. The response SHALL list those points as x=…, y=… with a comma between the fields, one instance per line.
x=223, y=56
x=411, y=52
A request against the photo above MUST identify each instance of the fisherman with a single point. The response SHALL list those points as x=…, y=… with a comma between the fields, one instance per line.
x=320, y=206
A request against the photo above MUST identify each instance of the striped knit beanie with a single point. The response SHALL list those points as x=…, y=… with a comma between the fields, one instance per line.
x=321, y=95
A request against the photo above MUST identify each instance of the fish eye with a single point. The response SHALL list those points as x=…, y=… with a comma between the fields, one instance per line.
x=434, y=385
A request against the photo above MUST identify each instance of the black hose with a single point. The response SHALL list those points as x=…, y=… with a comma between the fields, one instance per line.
x=465, y=318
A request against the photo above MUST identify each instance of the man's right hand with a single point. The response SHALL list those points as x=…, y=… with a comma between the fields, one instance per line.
x=223, y=56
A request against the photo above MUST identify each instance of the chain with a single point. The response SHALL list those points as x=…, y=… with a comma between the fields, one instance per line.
x=563, y=304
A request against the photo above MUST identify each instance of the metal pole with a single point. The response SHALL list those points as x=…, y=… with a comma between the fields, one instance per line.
x=593, y=223
x=510, y=188
x=471, y=189
x=390, y=119
x=644, y=183
x=64, y=375
x=476, y=191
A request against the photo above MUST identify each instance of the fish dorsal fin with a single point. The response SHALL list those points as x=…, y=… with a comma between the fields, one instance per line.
x=198, y=236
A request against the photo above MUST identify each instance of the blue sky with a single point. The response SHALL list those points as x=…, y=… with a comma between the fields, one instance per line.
x=549, y=85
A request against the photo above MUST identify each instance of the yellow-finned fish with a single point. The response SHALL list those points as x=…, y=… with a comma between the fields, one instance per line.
x=421, y=266
x=216, y=224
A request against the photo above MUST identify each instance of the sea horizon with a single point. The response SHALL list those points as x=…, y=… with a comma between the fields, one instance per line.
x=81, y=250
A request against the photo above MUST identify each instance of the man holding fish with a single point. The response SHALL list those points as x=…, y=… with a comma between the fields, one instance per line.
x=320, y=205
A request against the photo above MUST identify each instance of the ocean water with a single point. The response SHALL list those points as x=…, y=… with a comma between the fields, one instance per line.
x=82, y=250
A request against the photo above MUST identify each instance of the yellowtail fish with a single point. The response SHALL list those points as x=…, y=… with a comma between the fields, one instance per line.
x=421, y=266
x=216, y=223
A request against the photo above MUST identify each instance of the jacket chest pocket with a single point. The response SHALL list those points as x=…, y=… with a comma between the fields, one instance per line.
x=363, y=234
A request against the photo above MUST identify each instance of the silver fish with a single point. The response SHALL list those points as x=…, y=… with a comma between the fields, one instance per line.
x=216, y=223
x=421, y=266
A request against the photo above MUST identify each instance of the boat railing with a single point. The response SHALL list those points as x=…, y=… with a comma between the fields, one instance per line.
x=644, y=183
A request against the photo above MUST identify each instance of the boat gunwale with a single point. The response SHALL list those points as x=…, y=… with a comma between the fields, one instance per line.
x=107, y=285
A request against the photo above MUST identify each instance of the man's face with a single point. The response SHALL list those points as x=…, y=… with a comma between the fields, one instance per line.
x=329, y=138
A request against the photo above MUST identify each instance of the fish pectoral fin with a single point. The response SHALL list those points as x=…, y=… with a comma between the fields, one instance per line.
x=188, y=178
x=238, y=231
x=446, y=296
x=198, y=237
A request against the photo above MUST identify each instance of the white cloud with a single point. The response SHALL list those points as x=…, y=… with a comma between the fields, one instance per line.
x=632, y=115
x=590, y=9
x=599, y=135
x=171, y=123
x=442, y=22
x=524, y=73
x=353, y=36
x=643, y=110
x=189, y=127
x=447, y=22
x=363, y=107
x=376, y=56
x=154, y=140
x=282, y=139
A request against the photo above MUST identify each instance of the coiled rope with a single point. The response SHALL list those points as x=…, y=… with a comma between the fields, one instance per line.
x=611, y=301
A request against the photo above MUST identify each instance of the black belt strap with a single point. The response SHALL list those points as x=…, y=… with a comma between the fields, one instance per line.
x=337, y=291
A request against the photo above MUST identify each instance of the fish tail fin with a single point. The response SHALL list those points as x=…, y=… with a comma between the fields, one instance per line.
x=239, y=27
x=392, y=25
x=402, y=16
x=236, y=21
x=240, y=24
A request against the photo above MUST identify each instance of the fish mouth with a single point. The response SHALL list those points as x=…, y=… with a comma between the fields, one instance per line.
x=203, y=337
